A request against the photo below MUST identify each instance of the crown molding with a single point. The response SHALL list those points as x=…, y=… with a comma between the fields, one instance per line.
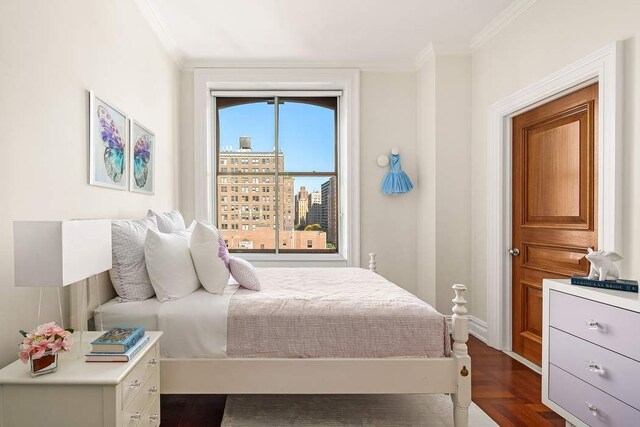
x=158, y=27
x=440, y=49
x=504, y=18
x=370, y=66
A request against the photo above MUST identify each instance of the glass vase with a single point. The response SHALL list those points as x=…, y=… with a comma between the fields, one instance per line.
x=46, y=364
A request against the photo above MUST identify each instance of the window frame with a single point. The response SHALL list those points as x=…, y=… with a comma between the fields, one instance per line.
x=220, y=170
x=199, y=203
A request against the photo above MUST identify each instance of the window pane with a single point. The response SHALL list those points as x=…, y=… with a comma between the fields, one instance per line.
x=307, y=134
x=314, y=225
x=246, y=174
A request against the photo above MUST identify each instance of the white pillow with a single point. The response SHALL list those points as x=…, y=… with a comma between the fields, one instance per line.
x=244, y=273
x=168, y=222
x=169, y=264
x=210, y=257
x=129, y=271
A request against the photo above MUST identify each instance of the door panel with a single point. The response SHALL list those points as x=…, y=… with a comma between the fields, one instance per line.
x=554, y=205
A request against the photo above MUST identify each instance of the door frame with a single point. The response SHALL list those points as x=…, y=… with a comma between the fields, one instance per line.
x=603, y=66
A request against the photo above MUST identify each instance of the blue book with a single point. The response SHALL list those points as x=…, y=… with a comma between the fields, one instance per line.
x=118, y=357
x=616, y=285
x=117, y=340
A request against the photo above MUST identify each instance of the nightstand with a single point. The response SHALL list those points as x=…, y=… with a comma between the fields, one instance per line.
x=84, y=394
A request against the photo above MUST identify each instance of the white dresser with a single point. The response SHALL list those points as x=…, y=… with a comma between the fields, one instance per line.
x=84, y=394
x=591, y=354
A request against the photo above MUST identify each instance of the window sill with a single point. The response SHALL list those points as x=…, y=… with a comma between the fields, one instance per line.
x=294, y=260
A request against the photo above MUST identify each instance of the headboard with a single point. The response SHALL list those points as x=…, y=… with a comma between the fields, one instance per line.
x=86, y=296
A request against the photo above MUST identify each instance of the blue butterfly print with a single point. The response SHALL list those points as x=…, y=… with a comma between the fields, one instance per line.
x=114, y=146
x=141, y=156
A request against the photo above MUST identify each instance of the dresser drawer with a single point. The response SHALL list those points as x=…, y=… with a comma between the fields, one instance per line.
x=133, y=382
x=575, y=396
x=136, y=413
x=611, y=327
x=611, y=372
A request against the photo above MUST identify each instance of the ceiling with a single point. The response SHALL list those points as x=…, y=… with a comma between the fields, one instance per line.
x=353, y=31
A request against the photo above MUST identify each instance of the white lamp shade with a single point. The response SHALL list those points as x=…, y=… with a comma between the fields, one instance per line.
x=58, y=253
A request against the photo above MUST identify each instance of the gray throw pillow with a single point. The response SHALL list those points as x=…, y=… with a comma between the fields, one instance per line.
x=168, y=222
x=129, y=271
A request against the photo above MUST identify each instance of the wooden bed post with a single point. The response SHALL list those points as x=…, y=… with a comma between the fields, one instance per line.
x=372, y=262
x=462, y=397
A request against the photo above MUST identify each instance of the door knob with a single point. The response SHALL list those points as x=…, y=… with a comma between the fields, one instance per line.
x=514, y=252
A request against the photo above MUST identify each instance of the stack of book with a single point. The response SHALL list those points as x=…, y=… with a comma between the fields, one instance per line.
x=117, y=345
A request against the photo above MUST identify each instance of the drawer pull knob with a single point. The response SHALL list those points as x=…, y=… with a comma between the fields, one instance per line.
x=135, y=385
x=594, y=367
x=153, y=418
x=593, y=325
x=153, y=390
x=592, y=409
x=153, y=362
x=136, y=416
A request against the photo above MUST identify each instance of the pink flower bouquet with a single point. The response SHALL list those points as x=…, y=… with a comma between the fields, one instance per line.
x=48, y=339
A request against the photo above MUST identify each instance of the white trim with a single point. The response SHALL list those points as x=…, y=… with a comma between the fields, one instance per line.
x=603, y=66
x=425, y=55
x=438, y=49
x=346, y=80
x=158, y=27
x=477, y=327
x=193, y=64
x=529, y=364
x=500, y=22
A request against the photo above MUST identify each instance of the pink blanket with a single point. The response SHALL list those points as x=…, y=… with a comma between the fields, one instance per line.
x=332, y=312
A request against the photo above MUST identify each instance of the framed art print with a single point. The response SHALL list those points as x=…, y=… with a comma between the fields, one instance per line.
x=108, y=161
x=142, y=155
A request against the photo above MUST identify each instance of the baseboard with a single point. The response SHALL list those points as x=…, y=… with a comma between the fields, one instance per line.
x=477, y=327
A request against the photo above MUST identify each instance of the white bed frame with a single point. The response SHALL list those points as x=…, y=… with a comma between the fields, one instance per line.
x=315, y=375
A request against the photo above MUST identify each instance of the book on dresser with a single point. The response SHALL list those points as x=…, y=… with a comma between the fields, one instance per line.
x=616, y=285
x=117, y=340
x=118, y=357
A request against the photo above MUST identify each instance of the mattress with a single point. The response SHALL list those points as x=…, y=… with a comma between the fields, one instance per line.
x=299, y=313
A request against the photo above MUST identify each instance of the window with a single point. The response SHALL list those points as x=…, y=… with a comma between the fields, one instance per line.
x=298, y=191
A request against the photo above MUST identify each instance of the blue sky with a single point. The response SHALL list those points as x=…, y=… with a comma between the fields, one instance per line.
x=306, y=135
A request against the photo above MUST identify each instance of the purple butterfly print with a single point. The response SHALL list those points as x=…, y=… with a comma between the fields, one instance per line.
x=141, y=156
x=114, y=146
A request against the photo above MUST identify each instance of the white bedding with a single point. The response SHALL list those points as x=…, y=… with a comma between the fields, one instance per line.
x=203, y=333
x=300, y=312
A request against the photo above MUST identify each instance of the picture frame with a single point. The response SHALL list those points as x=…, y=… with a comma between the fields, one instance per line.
x=141, y=158
x=108, y=144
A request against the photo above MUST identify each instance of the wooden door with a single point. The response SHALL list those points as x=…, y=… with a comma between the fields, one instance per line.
x=555, y=205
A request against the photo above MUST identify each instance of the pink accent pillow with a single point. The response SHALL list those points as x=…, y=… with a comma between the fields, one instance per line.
x=244, y=273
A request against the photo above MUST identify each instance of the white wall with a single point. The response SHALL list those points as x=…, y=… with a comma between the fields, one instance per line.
x=548, y=36
x=387, y=119
x=444, y=107
x=388, y=223
x=50, y=53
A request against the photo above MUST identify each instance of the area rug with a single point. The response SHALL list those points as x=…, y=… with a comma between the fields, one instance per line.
x=381, y=410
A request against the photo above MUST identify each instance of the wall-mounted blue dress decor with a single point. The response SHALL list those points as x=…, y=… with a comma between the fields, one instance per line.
x=396, y=181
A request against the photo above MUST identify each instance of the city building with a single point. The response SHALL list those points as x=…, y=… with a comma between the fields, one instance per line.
x=246, y=195
x=329, y=215
x=314, y=216
x=302, y=206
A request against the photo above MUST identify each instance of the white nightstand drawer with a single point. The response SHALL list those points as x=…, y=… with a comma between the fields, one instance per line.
x=152, y=416
x=610, y=372
x=133, y=382
x=592, y=406
x=136, y=412
x=610, y=327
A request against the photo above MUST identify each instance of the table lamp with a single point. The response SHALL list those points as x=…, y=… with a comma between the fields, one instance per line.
x=59, y=253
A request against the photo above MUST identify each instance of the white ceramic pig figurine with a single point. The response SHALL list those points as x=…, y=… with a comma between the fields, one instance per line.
x=602, y=266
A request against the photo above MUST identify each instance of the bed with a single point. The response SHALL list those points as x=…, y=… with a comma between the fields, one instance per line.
x=308, y=331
